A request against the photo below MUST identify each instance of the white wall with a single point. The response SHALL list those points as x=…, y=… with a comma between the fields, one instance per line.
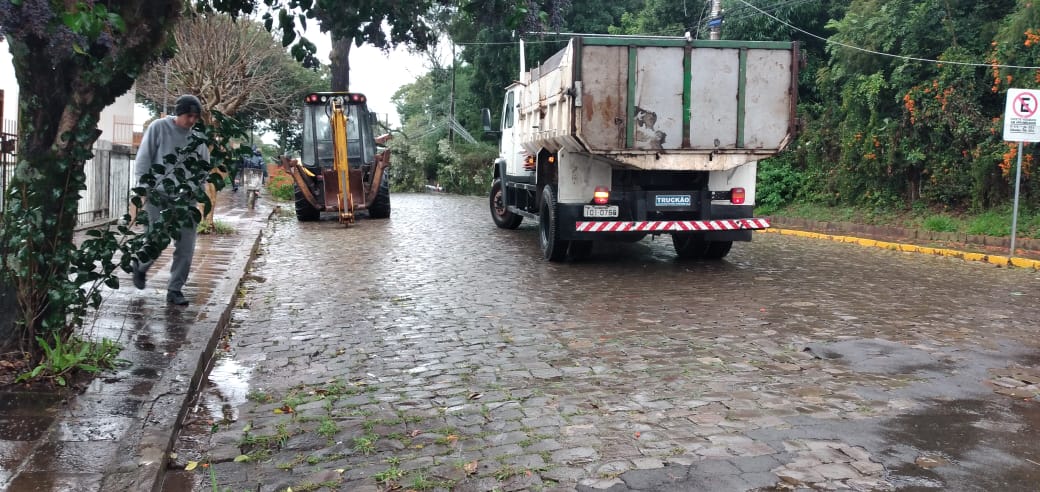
x=121, y=111
x=9, y=85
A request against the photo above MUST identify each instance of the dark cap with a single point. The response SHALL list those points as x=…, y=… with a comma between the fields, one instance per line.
x=187, y=104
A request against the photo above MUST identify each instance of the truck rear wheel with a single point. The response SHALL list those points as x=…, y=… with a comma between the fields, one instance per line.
x=580, y=250
x=380, y=208
x=305, y=212
x=553, y=248
x=499, y=213
x=694, y=246
x=689, y=246
x=717, y=249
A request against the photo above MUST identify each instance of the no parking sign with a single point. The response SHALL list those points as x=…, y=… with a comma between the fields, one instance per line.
x=1021, y=115
x=1020, y=125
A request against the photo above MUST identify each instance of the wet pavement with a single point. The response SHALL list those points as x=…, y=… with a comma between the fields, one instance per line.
x=432, y=351
x=115, y=435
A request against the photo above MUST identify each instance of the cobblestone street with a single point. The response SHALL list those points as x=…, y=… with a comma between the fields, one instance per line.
x=433, y=351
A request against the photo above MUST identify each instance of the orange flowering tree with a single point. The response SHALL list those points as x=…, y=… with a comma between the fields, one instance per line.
x=911, y=97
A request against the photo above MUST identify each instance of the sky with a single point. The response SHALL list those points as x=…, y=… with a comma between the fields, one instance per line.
x=376, y=74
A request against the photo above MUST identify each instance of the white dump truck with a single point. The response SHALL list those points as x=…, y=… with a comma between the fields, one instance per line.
x=617, y=137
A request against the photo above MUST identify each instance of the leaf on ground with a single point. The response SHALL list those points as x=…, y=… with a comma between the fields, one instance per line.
x=470, y=468
x=191, y=465
x=242, y=457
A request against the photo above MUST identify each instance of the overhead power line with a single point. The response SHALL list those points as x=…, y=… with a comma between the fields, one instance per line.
x=879, y=53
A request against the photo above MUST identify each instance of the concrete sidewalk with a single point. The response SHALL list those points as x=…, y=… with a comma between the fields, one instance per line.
x=115, y=436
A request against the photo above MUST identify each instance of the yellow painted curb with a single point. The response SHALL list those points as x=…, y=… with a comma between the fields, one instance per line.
x=913, y=248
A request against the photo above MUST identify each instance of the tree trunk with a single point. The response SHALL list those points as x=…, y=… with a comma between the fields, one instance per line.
x=62, y=94
x=340, y=61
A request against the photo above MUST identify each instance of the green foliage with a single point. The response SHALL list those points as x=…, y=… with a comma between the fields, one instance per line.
x=70, y=355
x=365, y=444
x=219, y=227
x=991, y=223
x=281, y=190
x=389, y=475
x=778, y=183
x=328, y=428
x=939, y=223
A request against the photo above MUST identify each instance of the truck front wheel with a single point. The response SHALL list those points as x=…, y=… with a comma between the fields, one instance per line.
x=553, y=248
x=499, y=213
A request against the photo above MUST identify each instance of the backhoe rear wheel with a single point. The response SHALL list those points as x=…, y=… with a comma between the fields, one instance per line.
x=305, y=212
x=380, y=208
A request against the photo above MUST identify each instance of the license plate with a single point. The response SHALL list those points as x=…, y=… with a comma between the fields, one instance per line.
x=601, y=210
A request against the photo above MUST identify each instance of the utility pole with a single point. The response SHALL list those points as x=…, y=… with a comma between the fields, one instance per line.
x=165, y=85
x=451, y=100
x=715, y=24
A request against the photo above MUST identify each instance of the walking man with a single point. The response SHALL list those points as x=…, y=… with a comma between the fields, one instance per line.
x=170, y=135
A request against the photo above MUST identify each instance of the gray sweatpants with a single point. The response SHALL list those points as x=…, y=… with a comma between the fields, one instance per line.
x=183, y=251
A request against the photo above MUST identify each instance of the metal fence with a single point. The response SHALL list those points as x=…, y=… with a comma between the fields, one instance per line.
x=108, y=180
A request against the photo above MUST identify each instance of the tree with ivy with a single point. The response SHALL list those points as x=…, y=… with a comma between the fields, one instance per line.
x=71, y=62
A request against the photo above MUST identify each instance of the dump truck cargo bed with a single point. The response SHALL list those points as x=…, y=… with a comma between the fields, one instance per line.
x=663, y=104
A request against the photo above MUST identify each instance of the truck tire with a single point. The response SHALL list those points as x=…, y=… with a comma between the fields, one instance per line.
x=380, y=208
x=499, y=213
x=717, y=249
x=305, y=212
x=689, y=246
x=580, y=250
x=693, y=246
x=553, y=248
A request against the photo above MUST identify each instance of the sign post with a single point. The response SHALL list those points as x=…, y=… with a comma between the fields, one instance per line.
x=1020, y=125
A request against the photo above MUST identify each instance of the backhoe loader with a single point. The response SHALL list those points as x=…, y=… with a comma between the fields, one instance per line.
x=342, y=166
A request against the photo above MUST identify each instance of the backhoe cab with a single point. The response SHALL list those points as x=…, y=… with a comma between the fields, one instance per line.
x=342, y=166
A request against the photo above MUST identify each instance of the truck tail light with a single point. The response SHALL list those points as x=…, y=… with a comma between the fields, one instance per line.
x=736, y=196
x=601, y=196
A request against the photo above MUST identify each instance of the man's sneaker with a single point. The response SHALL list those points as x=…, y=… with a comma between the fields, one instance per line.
x=175, y=297
x=139, y=279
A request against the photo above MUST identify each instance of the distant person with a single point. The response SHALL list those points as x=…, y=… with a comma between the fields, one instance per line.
x=163, y=137
x=256, y=161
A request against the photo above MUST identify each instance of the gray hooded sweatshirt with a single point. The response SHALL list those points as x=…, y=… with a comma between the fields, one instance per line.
x=161, y=138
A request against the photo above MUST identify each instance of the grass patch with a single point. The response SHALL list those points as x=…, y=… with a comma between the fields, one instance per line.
x=993, y=222
x=940, y=223
x=219, y=227
x=365, y=444
x=328, y=428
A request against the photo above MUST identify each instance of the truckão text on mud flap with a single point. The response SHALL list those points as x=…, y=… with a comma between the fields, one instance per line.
x=341, y=167
x=617, y=137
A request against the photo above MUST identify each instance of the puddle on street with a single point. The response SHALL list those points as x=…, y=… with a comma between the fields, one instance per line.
x=968, y=440
x=226, y=389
